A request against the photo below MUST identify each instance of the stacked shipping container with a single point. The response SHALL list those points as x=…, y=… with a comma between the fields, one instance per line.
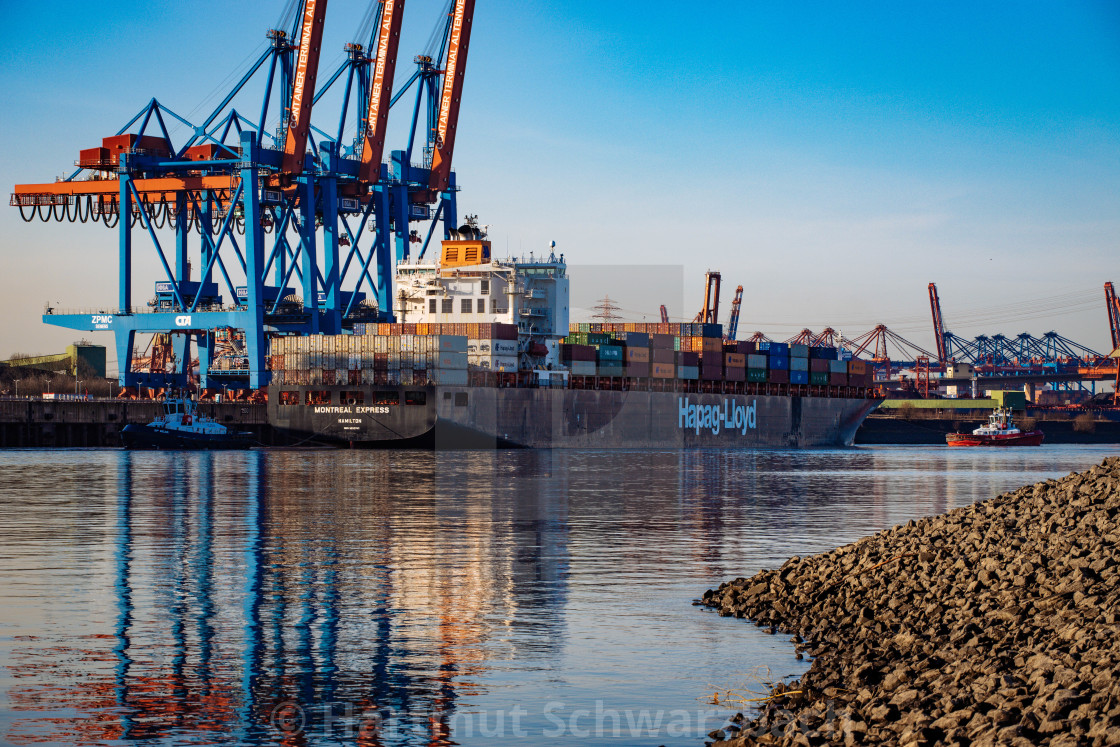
x=698, y=352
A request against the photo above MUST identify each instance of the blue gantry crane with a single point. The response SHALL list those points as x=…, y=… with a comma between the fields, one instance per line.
x=268, y=224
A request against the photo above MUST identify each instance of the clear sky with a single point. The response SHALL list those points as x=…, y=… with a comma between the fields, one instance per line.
x=833, y=158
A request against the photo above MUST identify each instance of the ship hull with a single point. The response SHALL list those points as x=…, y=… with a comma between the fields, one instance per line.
x=486, y=418
x=1034, y=438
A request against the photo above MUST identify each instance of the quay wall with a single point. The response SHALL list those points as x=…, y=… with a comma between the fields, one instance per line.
x=32, y=422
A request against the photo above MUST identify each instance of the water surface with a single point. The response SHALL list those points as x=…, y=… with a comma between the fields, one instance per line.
x=408, y=598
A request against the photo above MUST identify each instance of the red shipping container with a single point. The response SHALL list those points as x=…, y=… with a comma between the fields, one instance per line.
x=779, y=376
x=637, y=370
x=746, y=347
x=659, y=355
x=838, y=379
x=735, y=374
x=818, y=366
x=688, y=358
x=711, y=372
x=663, y=341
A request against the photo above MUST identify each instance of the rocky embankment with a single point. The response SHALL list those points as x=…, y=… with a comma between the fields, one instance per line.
x=997, y=623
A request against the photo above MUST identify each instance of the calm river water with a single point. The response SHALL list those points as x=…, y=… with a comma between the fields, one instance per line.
x=341, y=597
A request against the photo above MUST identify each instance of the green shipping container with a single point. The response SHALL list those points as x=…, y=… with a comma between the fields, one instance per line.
x=609, y=354
x=611, y=370
x=757, y=375
x=818, y=378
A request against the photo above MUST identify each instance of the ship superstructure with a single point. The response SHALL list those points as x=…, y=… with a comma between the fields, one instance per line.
x=467, y=285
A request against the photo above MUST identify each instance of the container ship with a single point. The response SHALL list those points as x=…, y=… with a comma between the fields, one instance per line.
x=485, y=357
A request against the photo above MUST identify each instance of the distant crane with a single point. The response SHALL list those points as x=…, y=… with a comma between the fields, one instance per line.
x=938, y=324
x=733, y=321
x=1113, y=314
x=710, y=313
x=664, y=314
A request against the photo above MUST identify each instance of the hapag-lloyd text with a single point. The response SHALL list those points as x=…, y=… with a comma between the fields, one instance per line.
x=714, y=418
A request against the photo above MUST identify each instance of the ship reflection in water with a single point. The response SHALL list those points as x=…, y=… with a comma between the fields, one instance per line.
x=417, y=598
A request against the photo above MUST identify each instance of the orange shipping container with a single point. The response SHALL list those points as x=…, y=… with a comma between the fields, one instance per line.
x=637, y=355
x=663, y=371
x=711, y=344
x=735, y=360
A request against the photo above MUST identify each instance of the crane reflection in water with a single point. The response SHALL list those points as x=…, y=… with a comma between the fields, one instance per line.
x=259, y=605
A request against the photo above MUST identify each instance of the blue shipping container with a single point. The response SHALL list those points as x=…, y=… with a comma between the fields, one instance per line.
x=711, y=330
x=780, y=348
x=823, y=353
x=764, y=346
x=798, y=364
x=798, y=351
x=799, y=377
x=779, y=362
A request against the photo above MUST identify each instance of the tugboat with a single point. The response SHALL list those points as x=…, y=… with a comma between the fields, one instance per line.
x=1000, y=431
x=182, y=427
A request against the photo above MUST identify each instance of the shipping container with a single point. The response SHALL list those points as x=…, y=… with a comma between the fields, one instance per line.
x=778, y=362
x=711, y=344
x=798, y=377
x=659, y=355
x=635, y=339
x=609, y=354
x=818, y=365
x=711, y=372
x=577, y=353
x=690, y=373
x=838, y=367
x=823, y=353
x=637, y=370
x=735, y=374
x=663, y=370
x=818, y=378
x=779, y=376
x=686, y=358
x=746, y=347
x=610, y=369
x=637, y=355
x=798, y=364
x=838, y=379
x=582, y=367
x=857, y=367
x=799, y=351
x=758, y=361
x=734, y=360
x=779, y=348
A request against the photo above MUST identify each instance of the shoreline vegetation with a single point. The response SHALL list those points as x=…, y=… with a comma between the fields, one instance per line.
x=995, y=623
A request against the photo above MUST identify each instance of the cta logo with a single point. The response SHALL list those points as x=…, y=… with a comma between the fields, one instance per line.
x=715, y=418
x=183, y=320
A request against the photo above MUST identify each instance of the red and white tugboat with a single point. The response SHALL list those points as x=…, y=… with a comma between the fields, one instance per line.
x=1000, y=431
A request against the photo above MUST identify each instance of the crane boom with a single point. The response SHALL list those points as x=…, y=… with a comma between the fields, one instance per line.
x=938, y=324
x=381, y=89
x=303, y=87
x=664, y=314
x=458, y=43
x=1113, y=314
x=733, y=322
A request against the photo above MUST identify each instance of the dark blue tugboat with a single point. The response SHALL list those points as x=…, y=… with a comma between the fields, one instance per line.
x=182, y=427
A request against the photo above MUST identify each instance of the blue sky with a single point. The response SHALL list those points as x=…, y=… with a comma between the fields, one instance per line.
x=833, y=158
